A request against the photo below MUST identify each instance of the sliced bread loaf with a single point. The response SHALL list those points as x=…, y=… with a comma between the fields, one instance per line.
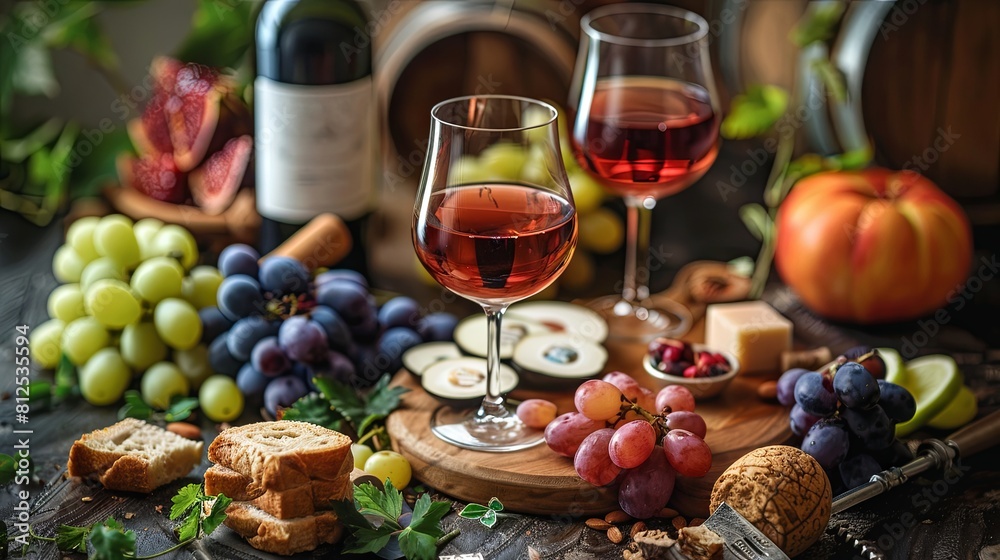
x=282, y=455
x=284, y=504
x=282, y=536
x=133, y=456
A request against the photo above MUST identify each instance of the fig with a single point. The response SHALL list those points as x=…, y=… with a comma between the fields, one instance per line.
x=149, y=133
x=154, y=175
x=193, y=113
x=214, y=184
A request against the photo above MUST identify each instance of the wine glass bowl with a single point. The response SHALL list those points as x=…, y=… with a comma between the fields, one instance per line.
x=493, y=235
x=646, y=126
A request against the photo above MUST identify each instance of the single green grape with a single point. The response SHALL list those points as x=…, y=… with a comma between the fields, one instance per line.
x=389, y=465
x=80, y=236
x=467, y=169
x=141, y=347
x=66, y=303
x=44, y=342
x=201, y=286
x=503, y=161
x=158, y=279
x=100, y=269
x=220, y=399
x=361, y=453
x=67, y=266
x=587, y=192
x=177, y=242
x=194, y=364
x=112, y=303
x=161, y=382
x=601, y=231
x=177, y=322
x=82, y=338
x=113, y=238
x=145, y=230
x=104, y=378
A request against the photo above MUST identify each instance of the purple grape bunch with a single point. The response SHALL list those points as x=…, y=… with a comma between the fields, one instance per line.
x=276, y=328
x=847, y=417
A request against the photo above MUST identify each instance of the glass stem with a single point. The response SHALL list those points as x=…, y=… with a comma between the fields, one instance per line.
x=493, y=405
x=637, y=221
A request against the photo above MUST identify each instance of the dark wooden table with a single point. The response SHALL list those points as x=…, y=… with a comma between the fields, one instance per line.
x=931, y=517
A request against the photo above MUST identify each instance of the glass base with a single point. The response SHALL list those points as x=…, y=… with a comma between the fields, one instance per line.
x=493, y=434
x=641, y=322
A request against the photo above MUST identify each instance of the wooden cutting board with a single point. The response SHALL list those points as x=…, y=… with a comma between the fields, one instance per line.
x=538, y=481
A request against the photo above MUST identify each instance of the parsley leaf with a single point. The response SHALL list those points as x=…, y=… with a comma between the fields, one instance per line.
x=369, y=540
x=134, y=406
x=111, y=541
x=419, y=540
x=180, y=408
x=188, y=529
x=754, y=112
x=217, y=514
x=72, y=539
x=185, y=499
x=388, y=504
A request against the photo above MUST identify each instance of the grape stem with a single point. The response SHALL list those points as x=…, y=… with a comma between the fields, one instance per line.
x=835, y=365
x=657, y=420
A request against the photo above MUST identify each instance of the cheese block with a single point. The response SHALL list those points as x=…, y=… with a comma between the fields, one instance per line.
x=752, y=331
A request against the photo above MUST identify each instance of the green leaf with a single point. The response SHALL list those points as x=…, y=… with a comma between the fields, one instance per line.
x=180, y=408
x=217, y=514
x=65, y=378
x=495, y=504
x=756, y=219
x=368, y=421
x=7, y=467
x=387, y=504
x=368, y=540
x=417, y=546
x=39, y=391
x=852, y=159
x=186, y=498
x=72, y=539
x=17, y=150
x=221, y=33
x=314, y=408
x=33, y=71
x=489, y=519
x=111, y=542
x=473, y=511
x=342, y=398
x=383, y=399
x=819, y=23
x=188, y=529
x=427, y=516
x=755, y=112
x=348, y=514
x=135, y=407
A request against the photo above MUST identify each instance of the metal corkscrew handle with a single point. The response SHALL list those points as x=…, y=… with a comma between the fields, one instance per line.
x=866, y=549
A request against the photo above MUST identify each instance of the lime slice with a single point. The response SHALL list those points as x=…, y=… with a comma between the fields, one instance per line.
x=934, y=381
x=894, y=368
x=959, y=411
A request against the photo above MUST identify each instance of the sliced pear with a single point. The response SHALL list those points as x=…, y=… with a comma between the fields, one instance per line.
x=894, y=368
x=959, y=412
x=934, y=381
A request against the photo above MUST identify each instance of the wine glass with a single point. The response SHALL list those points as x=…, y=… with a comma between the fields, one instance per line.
x=646, y=126
x=494, y=221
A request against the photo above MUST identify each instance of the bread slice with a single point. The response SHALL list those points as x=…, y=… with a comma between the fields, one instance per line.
x=282, y=536
x=133, y=456
x=284, y=504
x=282, y=455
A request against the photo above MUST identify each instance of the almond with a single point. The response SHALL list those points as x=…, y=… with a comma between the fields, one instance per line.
x=637, y=528
x=597, y=524
x=667, y=513
x=768, y=390
x=615, y=535
x=679, y=523
x=696, y=521
x=617, y=516
x=185, y=430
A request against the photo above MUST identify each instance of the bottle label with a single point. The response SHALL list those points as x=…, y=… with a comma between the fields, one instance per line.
x=315, y=149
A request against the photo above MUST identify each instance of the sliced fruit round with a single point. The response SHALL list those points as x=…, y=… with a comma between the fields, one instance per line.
x=193, y=113
x=214, y=184
x=560, y=356
x=959, y=412
x=154, y=175
x=470, y=334
x=462, y=381
x=934, y=381
x=422, y=356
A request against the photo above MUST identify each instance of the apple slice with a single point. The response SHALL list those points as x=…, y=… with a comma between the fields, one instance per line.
x=934, y=381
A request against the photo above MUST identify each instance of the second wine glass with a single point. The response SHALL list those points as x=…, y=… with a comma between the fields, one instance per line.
x=489, y=239
x=646, y=125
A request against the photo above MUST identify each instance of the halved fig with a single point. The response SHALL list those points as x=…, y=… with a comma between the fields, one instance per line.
x=193, y=113
x=154, y=175
x=149, y=132
x=214, y=184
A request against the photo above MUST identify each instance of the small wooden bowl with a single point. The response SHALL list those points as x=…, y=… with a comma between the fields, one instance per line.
x=700, y=387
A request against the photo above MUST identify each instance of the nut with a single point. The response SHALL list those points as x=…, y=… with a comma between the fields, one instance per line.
x=667, y=513
x=598, y=524
x=768, y=390
x=617, y=516
x=185, y=430
x=615, y=535
x=679, y=523
x=695, y=522
x=637, y=528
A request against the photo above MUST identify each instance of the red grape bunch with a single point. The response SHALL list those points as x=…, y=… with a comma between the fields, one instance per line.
x=847, y=416
x=628, y=435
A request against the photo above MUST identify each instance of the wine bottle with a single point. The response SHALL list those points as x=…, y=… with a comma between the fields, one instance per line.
x=315, y=119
